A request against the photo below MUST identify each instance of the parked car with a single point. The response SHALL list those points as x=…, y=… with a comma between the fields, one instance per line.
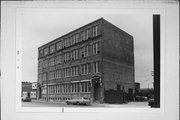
x=141, y=98
x=79, y=101
x=26, y=99
x=151, y=102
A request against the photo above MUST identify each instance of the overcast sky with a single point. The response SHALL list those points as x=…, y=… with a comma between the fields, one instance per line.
x=39, y=28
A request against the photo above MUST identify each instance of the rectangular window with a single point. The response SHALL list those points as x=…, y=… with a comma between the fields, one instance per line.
x=63, y=43
x=76, y=54
x=70, y=41
x=95, y=30
x=59, y=59
x=40, y=53
x=82, y=86
x=86, y=52
x=96, y=48
x=80, y=36
x=55, y=89
x=58, y=45
x=96, y=67
x=87, y=33
x=51, y=75
x=68, y=56
x=67, y=42
x=45, y=63
x=77, y=70
x=51, y=61
x=82, y=69
x=46, y=51
x=77, y=38
x=52, y=48
x=44, y=77
x=70, y=71
x=55, y=74
x=65, y=57
x=74, y=39
x=84, y=35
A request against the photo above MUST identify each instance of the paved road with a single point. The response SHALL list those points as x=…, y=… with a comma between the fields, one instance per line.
x=43, y=104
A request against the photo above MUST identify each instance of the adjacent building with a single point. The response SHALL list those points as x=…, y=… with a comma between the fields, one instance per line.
x=94, y=61
x=29, y=90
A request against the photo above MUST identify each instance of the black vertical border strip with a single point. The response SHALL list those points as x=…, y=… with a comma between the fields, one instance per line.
x=156, y=51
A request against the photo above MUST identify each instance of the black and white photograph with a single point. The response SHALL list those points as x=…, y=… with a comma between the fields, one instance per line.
x=87, y=60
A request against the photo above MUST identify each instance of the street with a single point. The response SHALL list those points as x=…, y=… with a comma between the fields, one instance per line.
x=63, y=104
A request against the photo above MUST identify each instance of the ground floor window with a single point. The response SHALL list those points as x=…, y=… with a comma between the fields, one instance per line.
x=69, y=88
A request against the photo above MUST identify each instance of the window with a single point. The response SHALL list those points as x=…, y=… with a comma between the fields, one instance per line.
x=46, y=51
x=85, y=51
x=67, y=42
x=96, y=48
x=63, y=43
x=84, y=35
x=73, y=39
x=51, y=75
x=77, y=70
x=51, y=61
x=76, y=54
x=85, y=69
x=52, y=48
x=68, y=56
x=77, y=38
x=59, y=74
x=45, y=63
x=80, y=36
x=82, y=84
x=58, y=45
x=96, y=67
x=77, y=87
x=70, y=41
x=85, y=87
x=44, y=77
x=95, y=30
x=68, y=72
x=82, y=69
x=87, y=34
x=65, y=57
x=40, y=53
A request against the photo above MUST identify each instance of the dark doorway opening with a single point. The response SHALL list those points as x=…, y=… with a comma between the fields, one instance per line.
x=97, y=91
x=28, y=95
x=130, y=94
x=40, y=91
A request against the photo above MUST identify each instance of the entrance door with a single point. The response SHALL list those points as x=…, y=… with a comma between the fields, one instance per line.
x=40, y=91
x=130, y=94
x=97, y=91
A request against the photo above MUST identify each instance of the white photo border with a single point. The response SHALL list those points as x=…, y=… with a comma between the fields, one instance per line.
x=10, y=75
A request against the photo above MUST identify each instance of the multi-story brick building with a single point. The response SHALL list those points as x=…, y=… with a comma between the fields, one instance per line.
x=94, y=61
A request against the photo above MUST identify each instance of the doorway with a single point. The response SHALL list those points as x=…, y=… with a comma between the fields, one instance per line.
x=97, y=91
x=40, y=91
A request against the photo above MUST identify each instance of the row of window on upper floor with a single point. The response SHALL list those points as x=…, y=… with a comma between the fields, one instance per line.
x=66, y=42
x=72, y=71
x=70, y=56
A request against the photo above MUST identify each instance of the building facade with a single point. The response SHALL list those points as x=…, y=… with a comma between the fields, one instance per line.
x=29, y=90
x=92, y=61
